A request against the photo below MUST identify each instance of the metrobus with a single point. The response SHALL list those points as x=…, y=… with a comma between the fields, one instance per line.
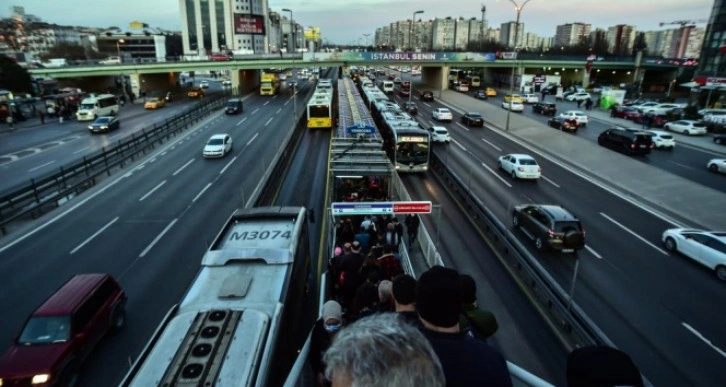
x=320, y=111
x=407, y=143
x=97, y=106
x=246, y=314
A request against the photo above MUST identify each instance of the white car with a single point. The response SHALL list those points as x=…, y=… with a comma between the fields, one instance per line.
x=442, y=114
x=662, y=140
x=111, y=60
x=439, y=134
x=520, y=166
x=579, y=96
x=576, y=115
x=706, y=247
x=227, y=82
x=689, y=127
x=530, y=98
x=513, y=106
x=204, y=84
x=217, y=146
x=717, y=165
x=645, y=105
x=661, y=108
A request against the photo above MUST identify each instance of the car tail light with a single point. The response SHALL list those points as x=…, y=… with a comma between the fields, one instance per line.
x=551, y=232
x=651, y=146
x=632, y=146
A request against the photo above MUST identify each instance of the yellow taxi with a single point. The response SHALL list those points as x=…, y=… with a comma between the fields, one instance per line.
x=196, y=92
x=154, y=103
x=513, y=97
x=490, y=92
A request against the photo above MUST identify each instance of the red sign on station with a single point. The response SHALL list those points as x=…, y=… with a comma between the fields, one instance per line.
x=411, y=207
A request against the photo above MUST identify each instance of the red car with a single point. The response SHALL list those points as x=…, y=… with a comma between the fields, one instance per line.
x=621, y=111
x=220, y=58
x=657, y=121
x=63, y=331
x=632, y=115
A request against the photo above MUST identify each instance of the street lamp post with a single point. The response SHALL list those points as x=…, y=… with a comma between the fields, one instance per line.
x=294, y=92
x=118, y=48
x=517, y=8
x=410, y=68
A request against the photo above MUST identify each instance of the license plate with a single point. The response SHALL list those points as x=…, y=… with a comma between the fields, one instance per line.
x=642, y=146
x=568, y=250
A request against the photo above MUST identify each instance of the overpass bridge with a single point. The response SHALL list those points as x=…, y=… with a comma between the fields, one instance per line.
x=244, y=70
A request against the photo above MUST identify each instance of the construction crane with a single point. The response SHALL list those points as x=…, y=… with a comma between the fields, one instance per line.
x=684, y=32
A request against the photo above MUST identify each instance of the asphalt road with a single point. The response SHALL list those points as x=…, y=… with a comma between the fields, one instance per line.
x=662, y=309
x=148, y=227
x=30, y=153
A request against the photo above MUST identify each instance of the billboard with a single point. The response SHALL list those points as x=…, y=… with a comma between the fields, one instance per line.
x=389, y=56
x=312, y=33
x=249, y=24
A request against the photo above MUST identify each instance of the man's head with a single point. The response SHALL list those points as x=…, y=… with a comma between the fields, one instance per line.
x=382, y=350
x=385, y=289
x=437, y=297
x=347, y=247
x=355, y=247
x=467, y=289
x=404, y=290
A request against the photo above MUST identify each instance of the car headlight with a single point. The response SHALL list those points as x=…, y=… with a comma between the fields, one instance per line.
x=90, y=127
x=40, y=378
x=104, y=127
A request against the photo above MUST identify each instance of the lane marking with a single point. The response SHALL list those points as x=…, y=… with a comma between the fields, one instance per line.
x=156, y=240
x=459, y=145
x=704, y=339
x=634, y=234
x=278, y=111
x=255, y=111
x=462, y=126
x=97, y=233
x=683, y=165
x=41, y=166
x=493, y=172
x=547, y=179
x=252, y=139
x=593, y=252
x=182, y=167
x=152, y=190
x=80, y=150
x=266, y=102
x=492, y=145
x=228, y=164
x=241, y=121
x=268, y=121
x=201, y=192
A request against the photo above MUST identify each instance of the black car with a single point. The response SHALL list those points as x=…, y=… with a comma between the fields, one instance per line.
x=563, y=123
x=544, y=108
x=410, y=107
x=481, y=94
x=626, y=141
x=720, y=139
x=427, y=96
x=472, y=119
x=104, y=124
x=234, y=106
x=550, y=226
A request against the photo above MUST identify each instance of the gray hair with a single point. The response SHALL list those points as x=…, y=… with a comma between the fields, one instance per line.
x=383, y=350
x=385, y=291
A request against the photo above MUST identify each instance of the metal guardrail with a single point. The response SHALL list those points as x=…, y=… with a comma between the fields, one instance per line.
x=42, y=195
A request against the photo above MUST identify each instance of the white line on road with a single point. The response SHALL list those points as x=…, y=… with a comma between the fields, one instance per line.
x=286, y=102
x=268, y=121
x=705, y=340
x=266, y=102
x=593, y=252
x=496, y=175
x=634, y=234
x=278, y=111
x=228, y=164
x=459, y=145
x=158, y=237
x=182, y=167
x=683, y=165
x=201, y=192
x=41, y=166
x=252, y=139
x=492, y=145
x=547, y=179
x=152, y=190
x=462, y=126
x=255, y=111
x=80, y=150
x=94, y=235
x=241, y=121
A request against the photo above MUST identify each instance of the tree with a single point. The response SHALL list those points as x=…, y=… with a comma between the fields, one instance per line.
x=71, y=51
x=600, y=43
x=639, y=44
x=13, y=77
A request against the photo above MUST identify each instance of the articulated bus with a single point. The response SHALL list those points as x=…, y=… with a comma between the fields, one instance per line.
x=246, y=314
x=410, y=146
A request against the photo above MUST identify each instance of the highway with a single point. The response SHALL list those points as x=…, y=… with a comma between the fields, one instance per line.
x=148, y=227
x=662, y=309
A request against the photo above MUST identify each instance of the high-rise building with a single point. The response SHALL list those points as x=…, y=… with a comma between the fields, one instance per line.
x=571, y=34
x=210, y=26
x=621, y=38
x=712, y=61
x=442, y=34
x=506, y=36
x=493, y=34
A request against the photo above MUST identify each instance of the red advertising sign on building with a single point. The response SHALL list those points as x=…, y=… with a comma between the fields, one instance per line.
x=249, y=24
x=411, y=207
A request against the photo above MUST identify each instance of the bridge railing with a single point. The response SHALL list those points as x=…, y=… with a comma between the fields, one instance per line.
x=41, y=195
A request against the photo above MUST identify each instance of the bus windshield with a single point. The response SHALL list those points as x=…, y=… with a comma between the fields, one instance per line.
x=319, y=111
x=412, y=152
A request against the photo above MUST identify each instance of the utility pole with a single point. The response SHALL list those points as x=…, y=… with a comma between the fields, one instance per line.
x=518, y=8
x=481, y=28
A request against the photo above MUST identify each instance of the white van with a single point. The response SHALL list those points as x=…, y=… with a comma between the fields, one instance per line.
x=97, y=106
x=387, y=87
x=474, y=80
x=530, y=98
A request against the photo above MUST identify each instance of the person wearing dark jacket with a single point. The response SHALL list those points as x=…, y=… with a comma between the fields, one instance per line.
x=404, y=298
x=322, y=337
x=479, y=322
x=466, y=360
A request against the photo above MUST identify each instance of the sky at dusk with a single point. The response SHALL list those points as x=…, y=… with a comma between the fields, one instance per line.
x=345, y=21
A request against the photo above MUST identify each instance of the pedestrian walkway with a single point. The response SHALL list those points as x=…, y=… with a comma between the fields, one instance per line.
x=684, y=202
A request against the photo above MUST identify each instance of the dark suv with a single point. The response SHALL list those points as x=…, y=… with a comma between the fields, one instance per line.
x=550, y=226
x=410, y=107
x=626, y=141
x=63, y=331
x=545, y=108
